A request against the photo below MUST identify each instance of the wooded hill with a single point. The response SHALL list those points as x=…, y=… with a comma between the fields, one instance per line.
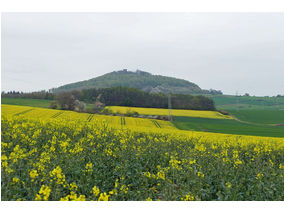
x=139, y=79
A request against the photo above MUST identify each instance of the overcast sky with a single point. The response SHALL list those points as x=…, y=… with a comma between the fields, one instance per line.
x=231, y=52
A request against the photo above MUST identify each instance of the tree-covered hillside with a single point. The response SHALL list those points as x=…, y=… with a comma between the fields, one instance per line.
x=141, y=80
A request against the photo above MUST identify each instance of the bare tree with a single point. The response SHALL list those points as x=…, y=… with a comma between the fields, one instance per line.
x=66, y=100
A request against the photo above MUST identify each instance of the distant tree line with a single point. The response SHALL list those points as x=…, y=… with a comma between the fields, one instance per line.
x=122, y=96
x=212, y=92
x=33, y=95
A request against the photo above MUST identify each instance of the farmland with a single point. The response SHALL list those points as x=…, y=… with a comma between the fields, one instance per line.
x=175, y=112
x=251, y=121
x=26, y=102
x=44, y=158
x=228, y=126
x=260, y=116
x=42, y=103
x=230, y=102
x=115, y=121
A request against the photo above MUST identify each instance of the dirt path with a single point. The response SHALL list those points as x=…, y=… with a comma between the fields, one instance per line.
x=246, y=122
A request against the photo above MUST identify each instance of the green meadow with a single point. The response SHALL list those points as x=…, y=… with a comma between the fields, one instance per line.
x=227, y=126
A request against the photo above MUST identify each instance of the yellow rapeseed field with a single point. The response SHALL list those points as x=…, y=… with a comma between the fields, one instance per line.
x=175, y=112
x=50, y=156
x=114, y=121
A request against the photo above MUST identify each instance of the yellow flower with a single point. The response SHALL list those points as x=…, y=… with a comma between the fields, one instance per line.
x=229, y=185
x=124, y=189
x=73, y=197
x=96, y=191
x=57, y=175
x=89, y=167
x=147, y=174
x=65, y=198
x=149, y=199
x=44, y=192
x=259, y=176
x=161, y=175
x=200, y=174
x=73, y=186
x=103, y=197
x=15, y=180
x=4, y=157
x=188, y=197
x=33, y=174
x=237, y=163
x=38, y=197
x=175, y=163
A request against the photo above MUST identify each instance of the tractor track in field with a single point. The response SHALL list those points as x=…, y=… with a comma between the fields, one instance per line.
x=90, y=117
x=57, y=114
x=122, y=121
x=23, y=112
x=156, y=123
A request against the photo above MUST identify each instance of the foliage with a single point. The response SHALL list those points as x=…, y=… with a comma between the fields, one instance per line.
x=33, y=95
x=123, y=96
x=66, y=100
x=53, y=104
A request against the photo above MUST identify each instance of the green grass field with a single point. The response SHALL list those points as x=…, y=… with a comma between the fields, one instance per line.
x=259, y=116
x=42, y=103
x=26, y=102
x=230, y=102
x=227, y=126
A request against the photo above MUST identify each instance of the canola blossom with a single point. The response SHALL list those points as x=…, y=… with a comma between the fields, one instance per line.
x=175, y=112
x=63, y=159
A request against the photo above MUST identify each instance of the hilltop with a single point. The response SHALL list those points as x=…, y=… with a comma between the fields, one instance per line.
x=139, y=79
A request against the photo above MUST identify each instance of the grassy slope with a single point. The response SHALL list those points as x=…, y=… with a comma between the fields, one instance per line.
x=227, y=126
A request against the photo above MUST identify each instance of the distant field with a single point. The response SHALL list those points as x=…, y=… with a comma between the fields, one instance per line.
x=228, y=126
x=26, y=102
x=175, y=112
x=248, y=102
x=260, y=116
x=42, y=103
